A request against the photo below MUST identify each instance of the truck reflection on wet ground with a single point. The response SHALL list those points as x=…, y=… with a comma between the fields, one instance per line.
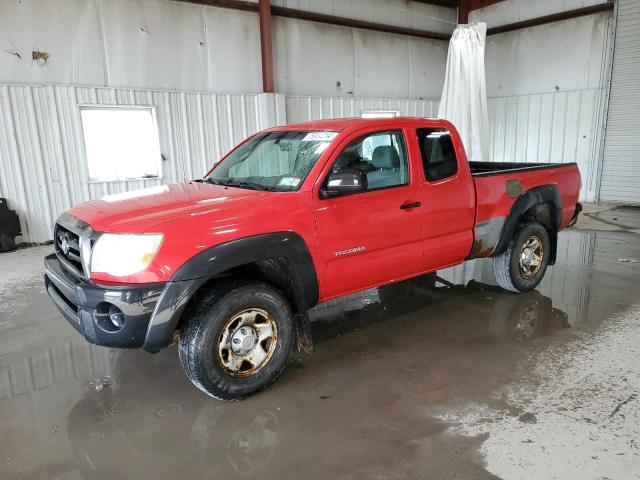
x=502, y=314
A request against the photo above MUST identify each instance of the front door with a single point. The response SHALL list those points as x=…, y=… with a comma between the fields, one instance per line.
x=372, y=237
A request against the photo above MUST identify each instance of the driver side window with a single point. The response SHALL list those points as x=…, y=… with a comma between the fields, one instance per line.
x=381, y=155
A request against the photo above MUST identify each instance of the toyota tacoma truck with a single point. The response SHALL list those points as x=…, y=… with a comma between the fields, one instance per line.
x=229, y=265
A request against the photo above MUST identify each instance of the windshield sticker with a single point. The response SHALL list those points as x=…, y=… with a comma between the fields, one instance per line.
x=319, y=136
x=289, y=182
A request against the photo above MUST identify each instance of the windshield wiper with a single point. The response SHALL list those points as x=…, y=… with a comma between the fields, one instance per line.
x=243, y=184
x=253, y=186
x=213, y=181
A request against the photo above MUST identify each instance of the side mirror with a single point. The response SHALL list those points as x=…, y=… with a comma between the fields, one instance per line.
x=344, y=182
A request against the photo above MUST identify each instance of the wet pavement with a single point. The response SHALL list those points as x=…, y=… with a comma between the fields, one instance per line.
x=441, y=378
x=621, y=216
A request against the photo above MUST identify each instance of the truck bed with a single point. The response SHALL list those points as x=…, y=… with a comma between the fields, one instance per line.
x=496, y=168
x=499, y=184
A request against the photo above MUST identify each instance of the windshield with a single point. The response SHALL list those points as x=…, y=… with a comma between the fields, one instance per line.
x=278, y=161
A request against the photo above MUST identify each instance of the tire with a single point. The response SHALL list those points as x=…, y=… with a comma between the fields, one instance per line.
x=214, y=327
x=507, y=266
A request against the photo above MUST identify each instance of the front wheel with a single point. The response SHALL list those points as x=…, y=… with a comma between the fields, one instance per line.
x=522, y=265
x=238, y=339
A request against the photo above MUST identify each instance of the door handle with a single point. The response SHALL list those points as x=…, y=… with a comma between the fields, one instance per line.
x=408, y=205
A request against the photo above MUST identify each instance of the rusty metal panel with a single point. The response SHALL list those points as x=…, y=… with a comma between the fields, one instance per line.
x=43, y=169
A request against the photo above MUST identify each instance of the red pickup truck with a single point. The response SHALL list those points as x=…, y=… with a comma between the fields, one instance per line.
x=230, y=264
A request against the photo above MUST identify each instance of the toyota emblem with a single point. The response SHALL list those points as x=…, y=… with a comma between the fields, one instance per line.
x=64, y=245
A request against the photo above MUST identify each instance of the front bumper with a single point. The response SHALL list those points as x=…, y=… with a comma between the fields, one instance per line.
x=86, y=306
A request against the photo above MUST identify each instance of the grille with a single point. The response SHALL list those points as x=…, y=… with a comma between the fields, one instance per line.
x=68, y=248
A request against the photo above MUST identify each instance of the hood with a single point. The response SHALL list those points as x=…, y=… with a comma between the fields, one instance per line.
x=140, y=210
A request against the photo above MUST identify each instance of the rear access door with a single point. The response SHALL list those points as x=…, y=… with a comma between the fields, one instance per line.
x=448, y=198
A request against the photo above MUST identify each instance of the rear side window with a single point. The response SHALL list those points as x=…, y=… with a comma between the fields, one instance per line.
x=438, y=155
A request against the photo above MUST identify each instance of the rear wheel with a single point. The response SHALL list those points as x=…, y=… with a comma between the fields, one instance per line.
x=238, y=339
x=523, y=264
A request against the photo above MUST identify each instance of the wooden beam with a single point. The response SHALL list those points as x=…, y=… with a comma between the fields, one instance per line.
x=554, y=17
x=264, y=12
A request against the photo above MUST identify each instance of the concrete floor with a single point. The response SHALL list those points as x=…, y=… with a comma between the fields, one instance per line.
x=460, y=381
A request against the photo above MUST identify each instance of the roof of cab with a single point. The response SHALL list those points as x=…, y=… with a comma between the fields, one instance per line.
x=340, y=124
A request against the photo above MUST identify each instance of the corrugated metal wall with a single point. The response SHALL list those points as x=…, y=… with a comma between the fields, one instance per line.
x=305, y=108
x=553, y=127
x=548, y=127
x=43, y=168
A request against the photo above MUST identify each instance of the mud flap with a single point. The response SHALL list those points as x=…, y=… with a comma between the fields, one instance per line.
x=574, y=217
x=304, y=337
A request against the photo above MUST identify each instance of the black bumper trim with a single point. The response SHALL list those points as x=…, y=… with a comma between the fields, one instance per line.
x=67, y=311
x=137, y=303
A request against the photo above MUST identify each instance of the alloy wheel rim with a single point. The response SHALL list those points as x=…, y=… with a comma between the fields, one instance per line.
x=531, y=254
x=247, y=342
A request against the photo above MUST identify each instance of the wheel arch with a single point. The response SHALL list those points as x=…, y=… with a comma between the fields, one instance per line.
x=281, y=259
x=543, y=204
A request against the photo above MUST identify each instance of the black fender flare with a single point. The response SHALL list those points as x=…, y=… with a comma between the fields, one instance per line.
x=543, y=194
x=288, y=249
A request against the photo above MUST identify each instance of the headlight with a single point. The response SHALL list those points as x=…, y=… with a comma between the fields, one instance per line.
x=120, y=255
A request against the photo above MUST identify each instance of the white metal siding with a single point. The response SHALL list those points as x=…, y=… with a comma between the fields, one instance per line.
x=557, y=127
x=305, y=108
x=621, y=162
x=43, y=168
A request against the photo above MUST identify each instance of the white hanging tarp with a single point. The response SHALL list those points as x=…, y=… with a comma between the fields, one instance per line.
x=464, y=95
